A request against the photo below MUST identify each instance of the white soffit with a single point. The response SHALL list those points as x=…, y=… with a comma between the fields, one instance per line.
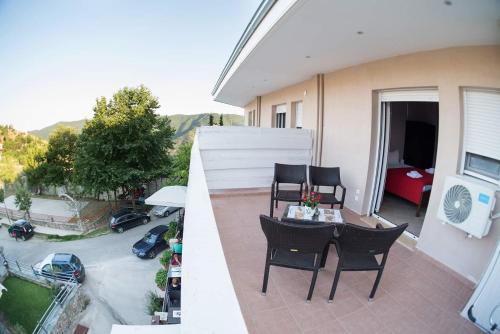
x=320, y=36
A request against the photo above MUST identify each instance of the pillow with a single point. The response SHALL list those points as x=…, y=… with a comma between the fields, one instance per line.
x=393, y=159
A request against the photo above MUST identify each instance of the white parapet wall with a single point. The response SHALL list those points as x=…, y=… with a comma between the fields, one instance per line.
x=244, y=157
x=209, y=303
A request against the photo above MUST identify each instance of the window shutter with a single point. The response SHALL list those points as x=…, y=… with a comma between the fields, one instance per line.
x=482, y=122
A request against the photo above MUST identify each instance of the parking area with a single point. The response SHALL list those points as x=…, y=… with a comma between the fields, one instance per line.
x=117, y=281
x=45, y=206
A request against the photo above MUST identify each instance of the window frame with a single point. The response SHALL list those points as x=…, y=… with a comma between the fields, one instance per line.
x=464, y=158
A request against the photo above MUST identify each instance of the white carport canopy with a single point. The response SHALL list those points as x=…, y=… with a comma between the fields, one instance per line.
x=168, y=196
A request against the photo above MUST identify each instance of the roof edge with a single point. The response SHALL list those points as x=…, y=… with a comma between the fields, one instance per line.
x=257, y=18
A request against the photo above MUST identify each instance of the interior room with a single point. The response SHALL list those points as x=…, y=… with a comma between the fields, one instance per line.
x=411, y=160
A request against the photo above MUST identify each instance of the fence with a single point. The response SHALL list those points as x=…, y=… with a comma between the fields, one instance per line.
x=60, y=222
x=67, y=288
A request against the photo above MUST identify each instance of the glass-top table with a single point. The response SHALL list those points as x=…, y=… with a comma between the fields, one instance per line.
x=323, y=215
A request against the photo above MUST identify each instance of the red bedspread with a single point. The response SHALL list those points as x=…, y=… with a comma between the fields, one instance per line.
x=400, y=184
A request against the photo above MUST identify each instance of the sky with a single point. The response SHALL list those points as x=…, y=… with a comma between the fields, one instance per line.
x=58, y=56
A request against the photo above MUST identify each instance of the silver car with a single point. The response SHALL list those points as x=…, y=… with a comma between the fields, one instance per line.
x=164, y=211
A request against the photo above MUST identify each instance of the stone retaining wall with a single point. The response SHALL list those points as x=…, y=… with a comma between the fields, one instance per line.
x=71, y=312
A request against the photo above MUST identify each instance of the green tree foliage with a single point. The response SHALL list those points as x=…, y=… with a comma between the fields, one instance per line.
x=180, y=165
x=18, y=151
x=125, y=144
x=23, y=200
x=57, y=163
x=2, y=200
x=211, y=120
x=221, y=120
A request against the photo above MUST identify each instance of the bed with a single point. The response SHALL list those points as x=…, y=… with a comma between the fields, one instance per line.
x=414, y=190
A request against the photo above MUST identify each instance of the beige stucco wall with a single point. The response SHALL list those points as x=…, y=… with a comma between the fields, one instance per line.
x=252, y=106
x=305, y=91
x=350, y=119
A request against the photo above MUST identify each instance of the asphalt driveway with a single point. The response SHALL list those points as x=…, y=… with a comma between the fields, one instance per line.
x=116, y=280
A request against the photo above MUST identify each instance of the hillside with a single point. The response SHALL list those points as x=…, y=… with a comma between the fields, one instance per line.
x=185, y=125
x=45, y=132
x=17, y=149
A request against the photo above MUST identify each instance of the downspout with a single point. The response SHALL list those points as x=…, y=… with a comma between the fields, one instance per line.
x=319, y=118
x=258, y=108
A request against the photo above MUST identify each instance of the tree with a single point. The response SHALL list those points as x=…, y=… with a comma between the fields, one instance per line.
x=59, y=159
x=125, y=144
x=221, y=120
x=23, y=200
x=211, y=120
x=180, y=166
x=2, y=200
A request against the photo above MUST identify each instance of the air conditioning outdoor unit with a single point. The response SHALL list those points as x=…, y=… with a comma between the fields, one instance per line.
x=467, y=203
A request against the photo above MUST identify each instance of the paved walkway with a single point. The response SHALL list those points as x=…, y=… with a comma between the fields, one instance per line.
x=116, y=280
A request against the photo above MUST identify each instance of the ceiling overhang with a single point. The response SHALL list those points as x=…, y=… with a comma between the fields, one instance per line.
x=299, y=38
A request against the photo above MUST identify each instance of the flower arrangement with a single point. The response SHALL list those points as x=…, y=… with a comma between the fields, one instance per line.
x=311, y=200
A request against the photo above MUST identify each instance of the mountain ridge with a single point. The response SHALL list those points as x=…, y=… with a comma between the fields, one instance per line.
x=184, y=124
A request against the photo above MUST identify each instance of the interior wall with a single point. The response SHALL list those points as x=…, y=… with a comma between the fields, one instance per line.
x=401, y=112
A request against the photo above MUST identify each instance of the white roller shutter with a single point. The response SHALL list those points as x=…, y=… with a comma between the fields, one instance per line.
x=410, y=95
x=482, y=122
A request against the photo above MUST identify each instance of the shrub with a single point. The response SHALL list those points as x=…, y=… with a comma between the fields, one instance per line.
x=161, y=278
x=154, y=303
x=165, y=258
x=172, y=230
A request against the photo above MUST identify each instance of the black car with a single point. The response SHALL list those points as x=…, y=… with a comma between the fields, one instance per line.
x=127, y=218
x=61, y=266
x=21, y=229
x=152, y=243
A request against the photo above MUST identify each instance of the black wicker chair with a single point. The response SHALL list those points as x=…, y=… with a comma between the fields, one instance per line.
x=291, y=174
x=296, y=246
x=330, y=177
x=357, y=247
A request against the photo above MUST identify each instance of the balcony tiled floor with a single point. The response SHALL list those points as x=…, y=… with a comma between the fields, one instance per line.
x=416, y=295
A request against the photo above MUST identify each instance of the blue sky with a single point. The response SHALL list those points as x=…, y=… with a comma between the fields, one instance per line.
x=57, y=57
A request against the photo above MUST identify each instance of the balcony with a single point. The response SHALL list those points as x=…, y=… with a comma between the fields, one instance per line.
x=224, y=255
x=416, y=294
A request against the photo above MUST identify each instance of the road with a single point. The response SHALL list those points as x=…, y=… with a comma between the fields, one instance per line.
x=116, y=280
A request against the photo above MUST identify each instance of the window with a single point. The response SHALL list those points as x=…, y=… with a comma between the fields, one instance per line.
x=298, y=114
x=482, y=134
x=280, y=116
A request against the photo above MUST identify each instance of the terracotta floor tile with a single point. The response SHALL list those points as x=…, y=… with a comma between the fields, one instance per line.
x=277, y=321
x=310, y=315
x=415, y=295
x=362, y=321
x=327, y=327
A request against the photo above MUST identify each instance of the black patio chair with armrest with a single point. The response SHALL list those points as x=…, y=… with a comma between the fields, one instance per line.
x=288, y=174
x=329, y=177
x=357, y=247
x=296, y=246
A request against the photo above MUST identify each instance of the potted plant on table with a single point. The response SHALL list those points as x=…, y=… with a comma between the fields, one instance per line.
x=311, y=202
x=161, y=279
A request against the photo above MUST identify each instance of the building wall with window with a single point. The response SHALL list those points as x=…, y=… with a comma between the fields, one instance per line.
x=306, y=92
x=349, y=140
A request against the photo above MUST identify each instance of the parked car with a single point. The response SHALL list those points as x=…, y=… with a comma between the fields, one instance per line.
x=61, y=266
x=164, y=211
x=127, y=218
x=22, y=229
x=152, y=243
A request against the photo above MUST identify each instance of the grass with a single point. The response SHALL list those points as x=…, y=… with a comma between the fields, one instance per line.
x=92, y=234
x=24, y=302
